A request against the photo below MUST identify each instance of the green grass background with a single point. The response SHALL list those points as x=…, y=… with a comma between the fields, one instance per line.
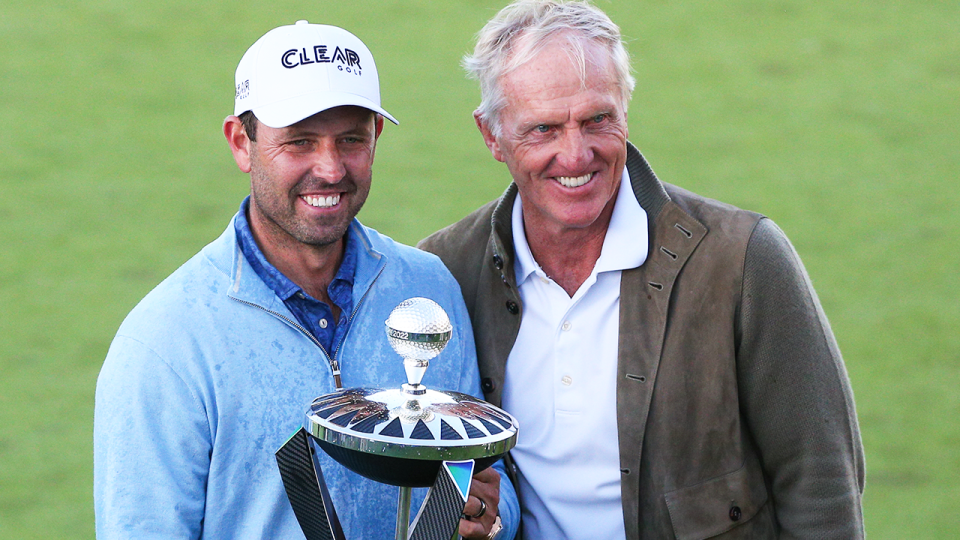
x=837, y=119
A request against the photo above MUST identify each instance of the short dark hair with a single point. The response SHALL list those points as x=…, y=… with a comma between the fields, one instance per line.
x=249, y=121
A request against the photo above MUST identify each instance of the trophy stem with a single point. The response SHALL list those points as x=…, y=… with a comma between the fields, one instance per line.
x=403, y=513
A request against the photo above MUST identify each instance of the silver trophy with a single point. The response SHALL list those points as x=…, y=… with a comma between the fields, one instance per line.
x=408, y=437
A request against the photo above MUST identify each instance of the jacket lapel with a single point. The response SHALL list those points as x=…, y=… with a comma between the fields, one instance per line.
x=644, y=302
x=506, y=308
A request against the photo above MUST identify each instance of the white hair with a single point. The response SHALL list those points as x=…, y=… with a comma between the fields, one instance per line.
x=521, y=30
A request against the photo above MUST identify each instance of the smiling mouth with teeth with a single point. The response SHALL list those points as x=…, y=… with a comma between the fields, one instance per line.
x=574, y=181
x=321, y=202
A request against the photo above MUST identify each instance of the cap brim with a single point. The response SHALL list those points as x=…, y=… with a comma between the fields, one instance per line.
x=290, y=111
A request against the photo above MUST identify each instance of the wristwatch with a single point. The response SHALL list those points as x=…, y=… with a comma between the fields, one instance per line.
x=495, y=530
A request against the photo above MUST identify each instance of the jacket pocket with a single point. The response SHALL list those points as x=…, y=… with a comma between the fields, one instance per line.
x=717, y=505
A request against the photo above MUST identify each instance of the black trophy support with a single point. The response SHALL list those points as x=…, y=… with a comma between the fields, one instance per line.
x=439, y=516
x=306, y=490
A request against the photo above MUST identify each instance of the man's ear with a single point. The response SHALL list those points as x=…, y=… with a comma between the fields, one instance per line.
x=488, y=137
x=238, y=141
x=379, y=126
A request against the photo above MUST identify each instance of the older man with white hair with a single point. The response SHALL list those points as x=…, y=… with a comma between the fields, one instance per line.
x=666, y=355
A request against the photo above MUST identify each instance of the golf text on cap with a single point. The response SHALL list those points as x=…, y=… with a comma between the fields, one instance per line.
x=350, y=60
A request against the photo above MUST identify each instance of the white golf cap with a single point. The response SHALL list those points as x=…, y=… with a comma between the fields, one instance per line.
x=296, y=71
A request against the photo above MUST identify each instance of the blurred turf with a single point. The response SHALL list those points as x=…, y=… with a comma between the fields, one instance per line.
x=838, y=120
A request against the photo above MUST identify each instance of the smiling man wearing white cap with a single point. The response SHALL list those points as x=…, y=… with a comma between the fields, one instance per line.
x=211, y=372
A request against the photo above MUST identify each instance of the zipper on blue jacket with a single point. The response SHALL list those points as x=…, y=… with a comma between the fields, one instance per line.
x=334, y=365
x=332, y=360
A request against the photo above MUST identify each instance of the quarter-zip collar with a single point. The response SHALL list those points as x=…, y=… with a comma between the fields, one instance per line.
x=247, y=287
x=313, y=314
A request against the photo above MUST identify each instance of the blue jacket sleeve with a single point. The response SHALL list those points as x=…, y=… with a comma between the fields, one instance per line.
x=509, y=508
x=151, y=448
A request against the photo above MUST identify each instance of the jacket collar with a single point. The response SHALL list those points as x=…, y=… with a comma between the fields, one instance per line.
x=646, y=186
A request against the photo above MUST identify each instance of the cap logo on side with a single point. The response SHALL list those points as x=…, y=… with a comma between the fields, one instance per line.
x=349, y=59
x=243, y=89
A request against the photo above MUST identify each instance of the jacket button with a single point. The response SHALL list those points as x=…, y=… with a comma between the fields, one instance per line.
x=487, y=385
x=498, y=262
x=735, y=513
x=512, y=307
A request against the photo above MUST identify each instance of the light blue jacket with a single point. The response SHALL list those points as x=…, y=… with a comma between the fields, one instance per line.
x=208, y=376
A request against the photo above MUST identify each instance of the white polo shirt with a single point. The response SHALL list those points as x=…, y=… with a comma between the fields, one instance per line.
x=561, y=384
